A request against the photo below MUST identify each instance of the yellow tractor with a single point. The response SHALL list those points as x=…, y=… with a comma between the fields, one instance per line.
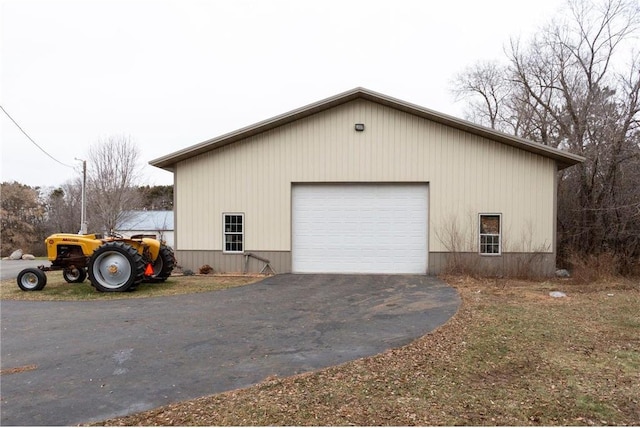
x=113, y=263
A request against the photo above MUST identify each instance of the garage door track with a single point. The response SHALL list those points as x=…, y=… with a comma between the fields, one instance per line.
x=79, y=362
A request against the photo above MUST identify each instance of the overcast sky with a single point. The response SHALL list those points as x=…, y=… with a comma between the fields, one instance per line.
x=170, y=74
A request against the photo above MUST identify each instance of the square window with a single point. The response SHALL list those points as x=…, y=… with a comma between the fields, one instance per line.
x=233, y=233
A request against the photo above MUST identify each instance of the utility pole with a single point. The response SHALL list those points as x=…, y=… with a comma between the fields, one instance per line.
x=83, y=211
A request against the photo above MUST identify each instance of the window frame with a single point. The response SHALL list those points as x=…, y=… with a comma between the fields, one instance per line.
x=481, y=235
x=225, y=233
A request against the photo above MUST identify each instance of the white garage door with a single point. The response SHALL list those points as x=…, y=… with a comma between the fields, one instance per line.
x=359, y=228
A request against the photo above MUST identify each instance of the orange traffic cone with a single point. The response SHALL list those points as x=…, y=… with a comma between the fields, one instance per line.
x=149, y=270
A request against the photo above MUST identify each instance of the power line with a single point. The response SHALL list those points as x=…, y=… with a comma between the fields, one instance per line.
x=31, y=139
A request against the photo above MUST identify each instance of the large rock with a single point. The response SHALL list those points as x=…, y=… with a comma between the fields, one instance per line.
x=28, y=257
x=16, y=255
x=557, y=294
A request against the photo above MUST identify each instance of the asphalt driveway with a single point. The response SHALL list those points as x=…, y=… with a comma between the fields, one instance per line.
x=79, y=362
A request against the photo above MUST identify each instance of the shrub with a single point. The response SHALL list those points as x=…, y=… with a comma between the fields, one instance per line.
x=206, y=269
x=590, y=268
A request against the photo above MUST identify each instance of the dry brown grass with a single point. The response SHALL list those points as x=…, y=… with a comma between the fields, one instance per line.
x=58, y=289
x=20, y=369
x=511, y=356
x=603, y=267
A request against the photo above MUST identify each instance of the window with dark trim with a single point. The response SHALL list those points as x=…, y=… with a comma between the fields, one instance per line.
x=233, y=230
x=490, y=234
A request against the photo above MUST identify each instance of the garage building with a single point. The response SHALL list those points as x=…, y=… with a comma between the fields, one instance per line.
x=365, y=183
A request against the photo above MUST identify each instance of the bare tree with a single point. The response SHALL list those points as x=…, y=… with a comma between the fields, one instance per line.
x=63, y=207
x=21, y=216
x=486, y=87
x=113, y=172
x=156, y=197
x=565, y=90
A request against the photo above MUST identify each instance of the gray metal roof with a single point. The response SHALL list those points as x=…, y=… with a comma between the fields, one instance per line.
x=564, y=159
x=147, y=220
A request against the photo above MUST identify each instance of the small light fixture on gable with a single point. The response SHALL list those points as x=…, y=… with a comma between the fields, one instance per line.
x=359, y=127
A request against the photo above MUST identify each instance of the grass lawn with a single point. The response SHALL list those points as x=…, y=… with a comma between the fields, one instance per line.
x=58, y=289
x=511, y=356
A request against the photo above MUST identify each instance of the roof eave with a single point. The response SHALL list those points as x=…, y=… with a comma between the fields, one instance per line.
x=167, y=162
x=564, y=159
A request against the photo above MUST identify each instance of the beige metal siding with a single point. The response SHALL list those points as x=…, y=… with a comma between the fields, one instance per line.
x=280, y=261
x=467, y=174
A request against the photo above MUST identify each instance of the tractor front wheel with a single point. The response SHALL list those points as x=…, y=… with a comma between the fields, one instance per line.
x=115, y=266
x=74, y=275
x=31, y=279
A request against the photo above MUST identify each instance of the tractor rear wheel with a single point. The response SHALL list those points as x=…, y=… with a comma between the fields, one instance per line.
x=74, y=275
x=115, y=266
x=31, y=279
x=163, y=265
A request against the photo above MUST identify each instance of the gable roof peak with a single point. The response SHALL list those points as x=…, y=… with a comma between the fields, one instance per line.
x=563, y=159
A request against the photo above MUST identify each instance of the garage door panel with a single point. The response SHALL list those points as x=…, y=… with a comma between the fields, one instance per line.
x=360, y=228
